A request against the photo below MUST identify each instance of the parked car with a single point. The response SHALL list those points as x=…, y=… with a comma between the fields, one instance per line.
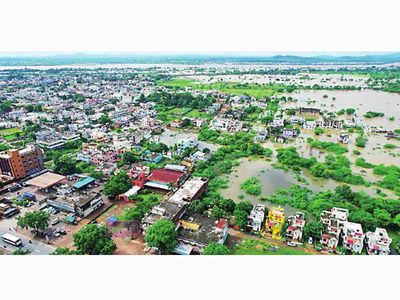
x=54, y=221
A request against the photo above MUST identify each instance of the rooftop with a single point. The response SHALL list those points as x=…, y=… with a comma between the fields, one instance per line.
x=46, y=180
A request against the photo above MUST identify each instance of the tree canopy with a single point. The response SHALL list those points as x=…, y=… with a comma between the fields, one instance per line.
x=93, y=240
x=162, y=235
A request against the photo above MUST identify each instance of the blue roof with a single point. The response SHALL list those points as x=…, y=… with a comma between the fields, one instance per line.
x=112, y=219
x=83, y=182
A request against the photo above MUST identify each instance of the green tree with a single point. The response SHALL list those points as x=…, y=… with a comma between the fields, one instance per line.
x=104, y=119
x=162, y=235
x=214, y=248
x=65, y=165
x=64, y=251
x=21, y=252
x=36, y=220
x=245, y=205
x=382, y=217
x=93, y=240
x=118, y=184
x=313, y=229
x=241, y=218
x=129, y=158
x=218, y=212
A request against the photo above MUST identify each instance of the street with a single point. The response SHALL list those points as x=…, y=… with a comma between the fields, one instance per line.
x=36, y=247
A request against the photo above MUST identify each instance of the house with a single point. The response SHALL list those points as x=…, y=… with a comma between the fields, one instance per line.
x=190, y=143
x=50, y=139
x=275, y=221
x=257, y=216
x=199, y=156
x=166, y=210
x=343, y=137
x=277, y=122
x=378, y=242
x=163, y=177
x=196, y=231
x=295, y=120
x=353, y=237
x=309, y=124
x=192, y=189
x=333, y=222
x=262, y=133
x=151, y=156
x=294, y=231
x=289, y=133
x=309, y=110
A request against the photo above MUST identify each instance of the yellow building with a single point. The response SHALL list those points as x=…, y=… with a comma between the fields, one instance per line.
x=275, y=221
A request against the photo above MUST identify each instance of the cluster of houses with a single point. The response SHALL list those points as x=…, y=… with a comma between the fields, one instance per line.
x=337, y=229
x=273, y=222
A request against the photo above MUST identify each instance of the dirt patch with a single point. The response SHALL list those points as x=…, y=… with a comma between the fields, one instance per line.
x=129, y=247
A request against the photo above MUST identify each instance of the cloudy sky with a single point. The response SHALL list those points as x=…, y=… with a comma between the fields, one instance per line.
x=197, y=26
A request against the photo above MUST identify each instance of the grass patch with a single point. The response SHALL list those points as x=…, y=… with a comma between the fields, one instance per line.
x=255, y=247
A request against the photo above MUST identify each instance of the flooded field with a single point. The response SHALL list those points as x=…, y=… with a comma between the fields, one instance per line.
x=362, y=101
x=302, y=79
x=272, y=179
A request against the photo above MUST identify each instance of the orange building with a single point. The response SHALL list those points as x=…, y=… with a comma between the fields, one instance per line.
x=20, y=163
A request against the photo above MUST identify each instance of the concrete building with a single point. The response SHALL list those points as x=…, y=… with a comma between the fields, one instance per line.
x=20, y=163
x=275, y=221
x=257, y=216
x=294, y=232
x=333, y=222
x=353, y=237
x=196, y=231
x=378, y=242
x=192, y=189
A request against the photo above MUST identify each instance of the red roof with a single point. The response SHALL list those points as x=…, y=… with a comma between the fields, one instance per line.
x=221, y=223
x=166, y=176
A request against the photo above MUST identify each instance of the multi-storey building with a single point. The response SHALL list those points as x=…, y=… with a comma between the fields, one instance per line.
x=378, y=242
x=333, y=222
x=256, y=217
x=276, y=219
x=353, y=237
x=20, y=163
x=294, y=232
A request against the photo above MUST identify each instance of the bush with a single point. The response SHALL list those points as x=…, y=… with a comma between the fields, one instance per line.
x=251, y=186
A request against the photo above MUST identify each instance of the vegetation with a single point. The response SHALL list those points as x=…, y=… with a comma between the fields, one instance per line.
x=64, y=251
x=162, y=235
x=372, y=114
x=93, y=240
x=327, y=146
x=256, y=90
x=143, y=206
x=118, y=184
x=36, y=220
x=21, y=252
x=251, y=186
x=257, y=247
x=214, y=248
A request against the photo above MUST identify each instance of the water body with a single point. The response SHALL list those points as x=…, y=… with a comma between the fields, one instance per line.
x=362, y=101
x=273, y=179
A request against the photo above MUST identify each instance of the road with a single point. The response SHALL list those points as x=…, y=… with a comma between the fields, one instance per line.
x=8, y=225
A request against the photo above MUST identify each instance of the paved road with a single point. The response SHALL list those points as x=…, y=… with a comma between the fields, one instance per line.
x=36, y=247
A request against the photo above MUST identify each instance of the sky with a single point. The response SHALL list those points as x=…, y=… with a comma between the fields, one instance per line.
x=199, y=26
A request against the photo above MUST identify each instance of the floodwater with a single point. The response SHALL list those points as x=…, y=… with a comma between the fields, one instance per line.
x=362, y=101
x=273, y=179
